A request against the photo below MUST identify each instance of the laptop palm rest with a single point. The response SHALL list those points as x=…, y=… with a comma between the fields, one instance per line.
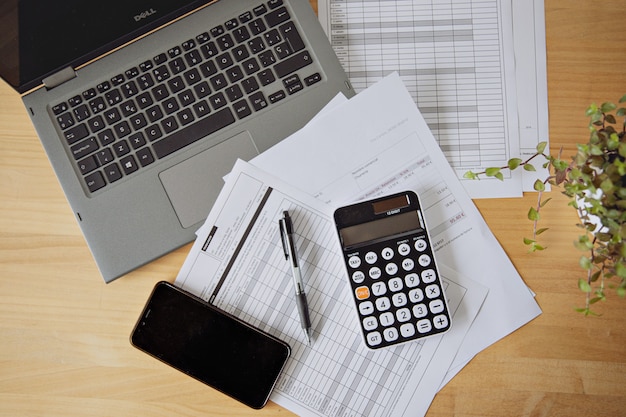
x=194, y=184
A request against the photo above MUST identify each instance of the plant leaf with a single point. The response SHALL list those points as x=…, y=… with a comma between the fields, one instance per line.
x=529, y=167
x=492, y=172
x=514, y=163
x=620, y=269
x=541, y=146
x=607, y=107
x=539, y=186
x=469, y=175
x=584, y=286
x=591, y=110
x=544, y=202
x=585, y=263
x=533, y=214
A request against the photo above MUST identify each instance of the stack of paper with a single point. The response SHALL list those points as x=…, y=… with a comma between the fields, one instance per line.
x=477, y=71
x=376, y=143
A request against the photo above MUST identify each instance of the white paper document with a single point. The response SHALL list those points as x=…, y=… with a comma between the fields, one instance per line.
x=475, y=70
x=529, y=35
x=378, y=143
x=237, y=263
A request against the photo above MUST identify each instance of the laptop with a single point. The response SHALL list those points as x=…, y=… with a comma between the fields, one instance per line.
x=143, y=106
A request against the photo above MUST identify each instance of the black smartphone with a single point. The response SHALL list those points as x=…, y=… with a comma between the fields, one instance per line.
x=210, y=345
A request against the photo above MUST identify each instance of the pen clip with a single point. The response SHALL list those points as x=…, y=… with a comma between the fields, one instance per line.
x=286, y=228
x=286, y=237
x=283, y=237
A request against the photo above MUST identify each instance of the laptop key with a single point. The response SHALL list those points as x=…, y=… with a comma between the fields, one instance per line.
x=65, y=120
x=259, y=10
x=293, y=63
x=95, y=181
x=242, y=109
x=113, y=172
x=76, y=133
x=291, y=35
x=203, y=37
x=145, y=157
x=129, y=165
x=274, y=3
x=312, y=79
x=84, y=148
x=59, y=108
x=87, y=165
x=193, y=132
x=277, y=17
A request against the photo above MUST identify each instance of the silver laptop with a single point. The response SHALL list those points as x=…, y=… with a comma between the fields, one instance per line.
x=143, y=105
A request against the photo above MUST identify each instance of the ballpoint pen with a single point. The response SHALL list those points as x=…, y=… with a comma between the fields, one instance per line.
x=289, y=248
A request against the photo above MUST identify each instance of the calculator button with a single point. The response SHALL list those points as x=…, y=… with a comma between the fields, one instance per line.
x=391, y=334
x=362, y=293
x=412, y=280
x=383, y=304
x=386, y=319
x=379, y=288
x=399, y=299
x=371, y=257
x=375, y=273
x=366, y=308
x=374, y=339
x=370, y=323
x=419, y=310
x=436, y=306
x=428, y=276
x=407, y=330
x=440, y=321
x=424, y=326
x=387, y=253
x=408, y=264
x=424, y=260
x=432, y=291
x=404, y=249
x=420, y=245
x=404, y=314
x=391, y=269
x=416, y=295
x=395, y=284
x=358, y=277
x=354, y=261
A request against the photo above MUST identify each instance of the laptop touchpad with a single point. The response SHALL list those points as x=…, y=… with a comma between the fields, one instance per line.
x=193, y=185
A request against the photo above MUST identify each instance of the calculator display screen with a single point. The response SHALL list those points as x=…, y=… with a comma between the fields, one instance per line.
x=381, y=228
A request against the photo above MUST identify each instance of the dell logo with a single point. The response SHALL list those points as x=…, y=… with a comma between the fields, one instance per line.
x=145, y=14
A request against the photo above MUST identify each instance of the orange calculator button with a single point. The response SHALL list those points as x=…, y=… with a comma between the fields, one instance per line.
x=362, y=293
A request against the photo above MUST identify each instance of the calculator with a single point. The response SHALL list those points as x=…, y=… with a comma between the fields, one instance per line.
x=394, y=280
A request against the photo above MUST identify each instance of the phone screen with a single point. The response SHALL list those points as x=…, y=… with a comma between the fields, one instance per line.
x=210, y=345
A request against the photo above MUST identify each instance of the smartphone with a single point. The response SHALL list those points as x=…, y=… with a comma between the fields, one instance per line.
x=394, y=279
x=210, y=345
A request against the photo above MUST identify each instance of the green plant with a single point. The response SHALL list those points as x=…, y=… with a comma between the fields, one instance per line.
x=595, y=182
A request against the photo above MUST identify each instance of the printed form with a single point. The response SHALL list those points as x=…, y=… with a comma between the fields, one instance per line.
x=378, y=143
x=463, y=63
x=237, y=263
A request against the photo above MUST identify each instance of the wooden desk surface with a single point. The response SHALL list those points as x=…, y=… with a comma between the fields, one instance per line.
x=64, y=347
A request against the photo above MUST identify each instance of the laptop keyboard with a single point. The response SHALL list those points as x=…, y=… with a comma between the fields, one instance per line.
x=185, y=93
